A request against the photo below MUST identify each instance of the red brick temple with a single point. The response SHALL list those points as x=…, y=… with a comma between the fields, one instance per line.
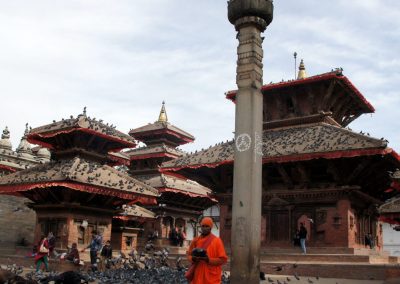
x=315, y=170
x=77, y=192
x=181, y=201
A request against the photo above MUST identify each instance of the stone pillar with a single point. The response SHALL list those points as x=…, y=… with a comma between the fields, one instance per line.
x=247, y=193
x=250, y=18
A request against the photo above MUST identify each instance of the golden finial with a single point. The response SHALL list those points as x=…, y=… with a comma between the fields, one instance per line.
x=302, y=71
x=163, y=114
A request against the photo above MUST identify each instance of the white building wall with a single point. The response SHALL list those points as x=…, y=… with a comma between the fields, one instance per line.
x=391, y=239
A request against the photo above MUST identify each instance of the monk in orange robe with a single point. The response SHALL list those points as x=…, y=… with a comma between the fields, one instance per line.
x=208, y=270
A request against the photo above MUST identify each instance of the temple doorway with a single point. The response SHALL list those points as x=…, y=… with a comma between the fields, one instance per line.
x=279, y=226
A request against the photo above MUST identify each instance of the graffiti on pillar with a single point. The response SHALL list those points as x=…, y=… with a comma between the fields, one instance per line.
x=259, y=145
x=241, y=231
x=243, y=142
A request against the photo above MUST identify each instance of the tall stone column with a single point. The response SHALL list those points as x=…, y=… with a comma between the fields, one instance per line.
x=250, y=17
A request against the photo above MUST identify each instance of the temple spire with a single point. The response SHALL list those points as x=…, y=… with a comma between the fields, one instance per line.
x=5, y=142
x=163, y=114
x=302, y=71
x=6, y=133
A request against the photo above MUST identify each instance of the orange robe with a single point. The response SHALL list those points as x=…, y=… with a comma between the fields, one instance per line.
x=211, y=272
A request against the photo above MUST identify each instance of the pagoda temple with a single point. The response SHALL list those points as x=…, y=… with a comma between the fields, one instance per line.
x=315, y=170
x=15, y=215
x=77, y=191
x=181, y=200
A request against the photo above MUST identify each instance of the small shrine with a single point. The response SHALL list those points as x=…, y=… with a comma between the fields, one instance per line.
x=181, y=200
x=127, y=227
x=77, y=191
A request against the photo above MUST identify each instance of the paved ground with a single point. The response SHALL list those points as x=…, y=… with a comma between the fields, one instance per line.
x=312, y=280
x=290, y=279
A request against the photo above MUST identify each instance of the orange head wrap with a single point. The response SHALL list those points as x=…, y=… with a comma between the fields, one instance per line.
x=207, y=221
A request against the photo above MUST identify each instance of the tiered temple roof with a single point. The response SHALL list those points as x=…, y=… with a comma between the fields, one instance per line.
x=302, y=142
x=80, y=175
x=93, y=135
x=329, y=92
x=161, y=131
x=154, y=151
x=162, y=138
x=135, y=212
x=78, y=172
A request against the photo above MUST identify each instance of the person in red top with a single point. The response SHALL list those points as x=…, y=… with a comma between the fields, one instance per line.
x=42, y=254
x=208, y=269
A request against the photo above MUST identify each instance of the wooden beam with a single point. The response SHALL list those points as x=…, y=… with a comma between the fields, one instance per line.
x=180, y=204
x=110, y=199
x=91, y=139
x=91, y=196
x=264, y=182
x=53, y=194
x=305, y=179
x=285, y=176
x=295, y=104
x=359, y=168
x=216, y=179
x=279, y=107
x=101, y=146
x=334, y=171
x=311, y=99
x=341, y=109
x=350, y=118
x=328, y=95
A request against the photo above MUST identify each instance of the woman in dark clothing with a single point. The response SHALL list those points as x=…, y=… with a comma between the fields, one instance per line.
x=51, y=239
x=303, y=237
x=42, y=254
x=73, y=254
x=106, y=255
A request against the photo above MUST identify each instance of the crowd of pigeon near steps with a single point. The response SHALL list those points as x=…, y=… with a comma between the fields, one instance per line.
x=149, y=267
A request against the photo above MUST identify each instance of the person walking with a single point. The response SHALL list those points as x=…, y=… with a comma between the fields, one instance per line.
x=207, y=255
x=173, y=236
x=94, y=246
x=106, y=255
x=303, y=237
x=181, y=237
x=51, y=239
x=42, y=254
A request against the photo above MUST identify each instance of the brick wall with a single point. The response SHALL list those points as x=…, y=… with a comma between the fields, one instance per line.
x=17, y=221
x=69, y=233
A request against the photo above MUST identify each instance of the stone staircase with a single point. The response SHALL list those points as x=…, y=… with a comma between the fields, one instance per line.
x=331, y=262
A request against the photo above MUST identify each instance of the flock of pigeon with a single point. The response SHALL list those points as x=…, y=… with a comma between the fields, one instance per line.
x=148, y=267
x=152, y=267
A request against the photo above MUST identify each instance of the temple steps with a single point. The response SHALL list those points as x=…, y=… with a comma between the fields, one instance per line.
x=322, y=250
x=330, y=258
x=362, y=271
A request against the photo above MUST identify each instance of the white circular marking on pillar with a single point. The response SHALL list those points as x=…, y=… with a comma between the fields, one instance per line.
x=243, y=142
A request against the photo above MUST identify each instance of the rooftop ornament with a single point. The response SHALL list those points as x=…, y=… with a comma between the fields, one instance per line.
x=163, y=114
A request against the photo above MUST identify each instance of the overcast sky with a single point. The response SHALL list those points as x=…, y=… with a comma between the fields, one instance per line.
x=122, y=58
